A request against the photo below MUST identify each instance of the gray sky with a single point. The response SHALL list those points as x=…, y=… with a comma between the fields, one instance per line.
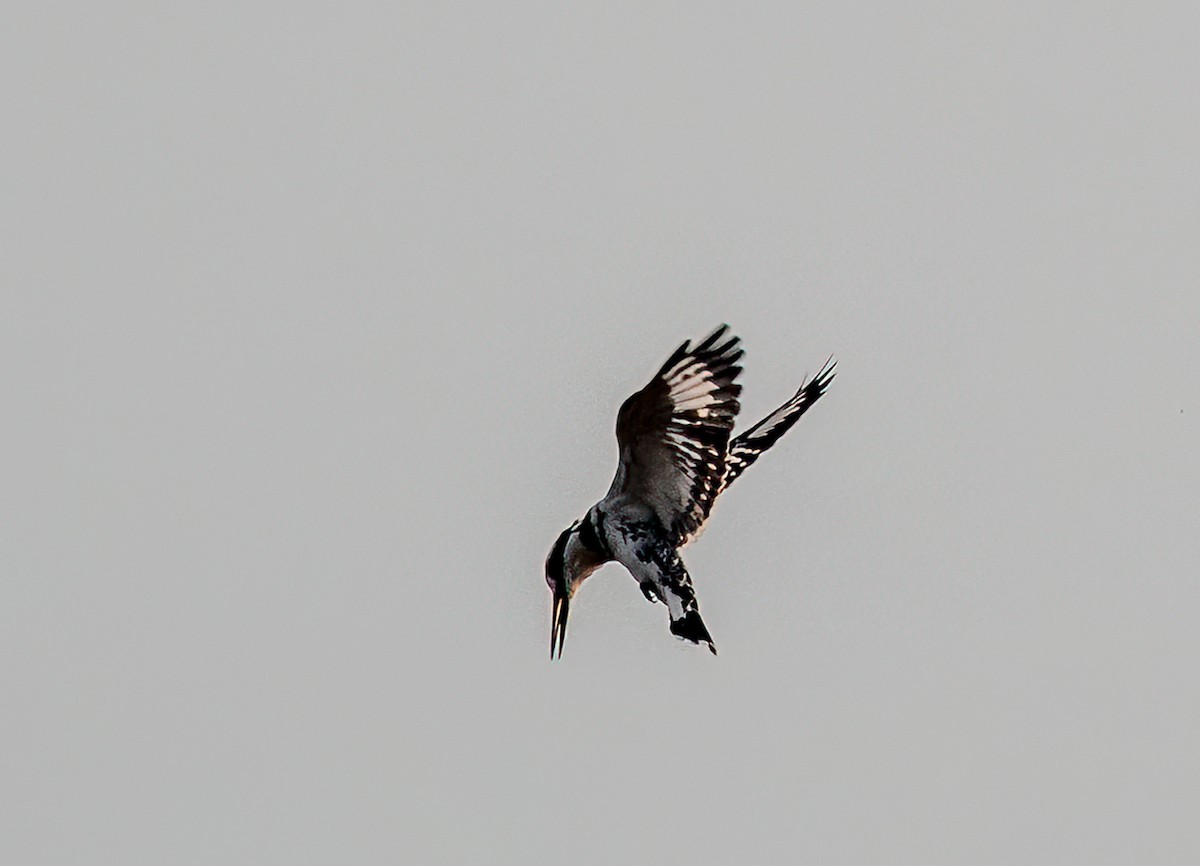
x=316, y=322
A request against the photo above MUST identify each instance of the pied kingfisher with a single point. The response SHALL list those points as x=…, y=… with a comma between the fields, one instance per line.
x=676, y=457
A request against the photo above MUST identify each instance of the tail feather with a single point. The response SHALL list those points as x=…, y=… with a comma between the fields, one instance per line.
x=690, y=627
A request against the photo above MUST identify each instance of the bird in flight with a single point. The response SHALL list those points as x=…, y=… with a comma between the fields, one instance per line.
x=676, y=456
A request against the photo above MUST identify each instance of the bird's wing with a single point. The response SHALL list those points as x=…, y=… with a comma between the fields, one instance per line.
x=674, y=433
x=746, y=447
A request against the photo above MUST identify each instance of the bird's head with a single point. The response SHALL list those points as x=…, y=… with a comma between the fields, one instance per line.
x=569, y=563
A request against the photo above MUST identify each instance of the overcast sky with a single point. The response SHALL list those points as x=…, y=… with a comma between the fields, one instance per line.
x=316, y=322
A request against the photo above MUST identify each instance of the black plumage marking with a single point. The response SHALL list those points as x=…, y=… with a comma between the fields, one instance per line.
x=592, y=539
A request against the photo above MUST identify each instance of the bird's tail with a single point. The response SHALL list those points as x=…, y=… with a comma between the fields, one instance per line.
x=746, y=448
x=689, y=626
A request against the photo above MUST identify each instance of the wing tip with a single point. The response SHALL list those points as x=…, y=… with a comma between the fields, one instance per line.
x=824, y=376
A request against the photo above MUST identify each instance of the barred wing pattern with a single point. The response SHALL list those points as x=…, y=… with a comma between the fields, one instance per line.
x=674, y=434
x=746, y=447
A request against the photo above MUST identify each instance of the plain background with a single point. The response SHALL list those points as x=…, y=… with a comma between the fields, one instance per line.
x=316, y=319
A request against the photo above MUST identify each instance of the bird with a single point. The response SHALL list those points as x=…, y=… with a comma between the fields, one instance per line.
x=677, y=454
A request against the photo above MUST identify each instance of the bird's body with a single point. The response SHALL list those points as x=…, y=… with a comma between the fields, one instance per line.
x=676, y=456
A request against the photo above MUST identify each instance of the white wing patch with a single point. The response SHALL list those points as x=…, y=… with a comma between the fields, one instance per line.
x=692, y=388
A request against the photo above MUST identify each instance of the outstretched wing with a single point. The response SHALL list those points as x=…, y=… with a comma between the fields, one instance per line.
x=674, y=433
x=745, y=448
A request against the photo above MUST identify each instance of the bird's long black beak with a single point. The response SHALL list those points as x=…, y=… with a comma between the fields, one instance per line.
x=558, y=625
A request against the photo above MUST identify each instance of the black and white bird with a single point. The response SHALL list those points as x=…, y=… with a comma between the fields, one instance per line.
x=676, y=456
